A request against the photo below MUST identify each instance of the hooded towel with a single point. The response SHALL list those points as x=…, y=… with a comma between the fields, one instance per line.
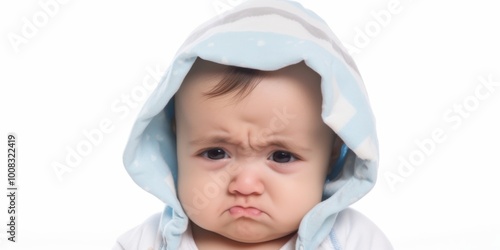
x=264, y=35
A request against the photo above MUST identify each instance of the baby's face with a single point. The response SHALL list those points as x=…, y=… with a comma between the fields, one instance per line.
x=250, y=169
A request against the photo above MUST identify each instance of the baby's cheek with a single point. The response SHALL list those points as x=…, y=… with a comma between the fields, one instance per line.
x=303, y=198
x=194, y=196
x=185, y=192
x=187, y=200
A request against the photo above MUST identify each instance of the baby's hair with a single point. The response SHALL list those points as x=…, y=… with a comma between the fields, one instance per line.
x=236, y=79
x=242, y=80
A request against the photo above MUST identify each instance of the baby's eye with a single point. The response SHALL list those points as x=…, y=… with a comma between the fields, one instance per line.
x=215, y=154
x=282, y=157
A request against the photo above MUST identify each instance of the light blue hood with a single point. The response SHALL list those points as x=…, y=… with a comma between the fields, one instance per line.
x=263, y=35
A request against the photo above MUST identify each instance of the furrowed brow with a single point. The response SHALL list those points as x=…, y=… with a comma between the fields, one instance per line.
x=285, y=144
x=209, y=140
x=271, y=142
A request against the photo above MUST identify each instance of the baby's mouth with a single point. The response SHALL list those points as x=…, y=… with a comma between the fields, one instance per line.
x=244, y=211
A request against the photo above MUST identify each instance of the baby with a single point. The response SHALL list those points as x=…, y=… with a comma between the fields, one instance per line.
x=259, y=136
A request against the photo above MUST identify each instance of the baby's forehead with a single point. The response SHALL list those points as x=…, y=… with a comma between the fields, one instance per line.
x=204, y=67
x=209, y=91
x=227, y=78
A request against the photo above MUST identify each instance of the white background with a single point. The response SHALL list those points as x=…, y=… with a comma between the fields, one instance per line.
x=84, y=57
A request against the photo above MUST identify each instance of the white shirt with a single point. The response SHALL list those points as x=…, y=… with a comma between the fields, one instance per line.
x=352, y=231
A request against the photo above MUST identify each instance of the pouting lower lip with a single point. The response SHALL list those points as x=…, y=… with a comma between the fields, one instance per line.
x=244, y=211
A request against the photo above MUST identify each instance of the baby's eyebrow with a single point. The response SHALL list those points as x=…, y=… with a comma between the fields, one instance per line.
x=216, y=139
x=257, y=142
x=285, y=143
x=278, y=143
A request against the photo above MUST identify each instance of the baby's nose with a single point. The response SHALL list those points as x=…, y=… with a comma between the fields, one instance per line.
x=247, y=181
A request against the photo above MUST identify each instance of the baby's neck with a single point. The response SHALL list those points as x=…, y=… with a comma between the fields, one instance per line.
x=207, y=240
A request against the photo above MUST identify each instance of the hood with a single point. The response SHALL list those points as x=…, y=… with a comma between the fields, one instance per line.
x=264, y=35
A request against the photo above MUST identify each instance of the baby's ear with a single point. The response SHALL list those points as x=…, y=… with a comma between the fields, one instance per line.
x=173, y=125
x=337, y=145
x=172, y=122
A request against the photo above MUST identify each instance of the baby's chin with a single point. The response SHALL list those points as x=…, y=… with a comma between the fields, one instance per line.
x=284, y=238
x=250, y=234
x=256, y=237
